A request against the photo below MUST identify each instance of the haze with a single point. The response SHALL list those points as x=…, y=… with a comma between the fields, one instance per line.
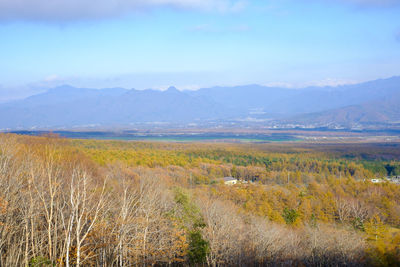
x=193, y=44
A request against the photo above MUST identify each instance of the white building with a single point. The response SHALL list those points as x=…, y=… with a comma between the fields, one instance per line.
x=230, y=180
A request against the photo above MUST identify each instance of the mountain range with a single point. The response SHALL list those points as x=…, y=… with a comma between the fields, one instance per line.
x=370, y=104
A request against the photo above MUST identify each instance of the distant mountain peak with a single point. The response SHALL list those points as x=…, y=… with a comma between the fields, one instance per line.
x=64, y=87
x=371, y=103
x=172, y=89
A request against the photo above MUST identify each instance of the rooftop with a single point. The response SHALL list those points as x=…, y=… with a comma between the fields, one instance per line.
x=226, y=179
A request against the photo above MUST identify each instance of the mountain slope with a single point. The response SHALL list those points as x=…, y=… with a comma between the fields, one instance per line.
x=383, y=111
x=57, y=108
x=66, y=106
x=295, y=101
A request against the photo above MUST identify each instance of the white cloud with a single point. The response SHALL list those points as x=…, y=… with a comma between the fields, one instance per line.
x=71, y=10
x=52, y=78
x=371, y=3
x=357, y=3
x=332, y=82
x=376, y=2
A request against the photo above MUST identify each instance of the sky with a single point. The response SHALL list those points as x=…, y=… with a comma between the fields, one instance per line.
x=195, y=43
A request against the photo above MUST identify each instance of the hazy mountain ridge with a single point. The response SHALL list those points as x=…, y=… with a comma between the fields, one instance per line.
x=66, y=106
x=56, y=108
x=294, y=101
x=383, y=111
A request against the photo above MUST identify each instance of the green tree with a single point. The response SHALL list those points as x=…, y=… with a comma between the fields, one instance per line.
x=198, y=247
x=290, y=216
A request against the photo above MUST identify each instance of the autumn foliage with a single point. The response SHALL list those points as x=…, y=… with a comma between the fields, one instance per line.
x=112, y=203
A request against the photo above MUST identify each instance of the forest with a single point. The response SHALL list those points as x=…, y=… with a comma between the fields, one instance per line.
x=75, y=202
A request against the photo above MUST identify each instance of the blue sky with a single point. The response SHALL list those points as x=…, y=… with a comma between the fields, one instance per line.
x=192, y=43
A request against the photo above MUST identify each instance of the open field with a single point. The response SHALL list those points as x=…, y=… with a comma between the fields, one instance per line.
x=230, y=135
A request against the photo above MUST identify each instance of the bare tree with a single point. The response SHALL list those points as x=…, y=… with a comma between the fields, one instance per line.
x=86, y=203
x=224, y=231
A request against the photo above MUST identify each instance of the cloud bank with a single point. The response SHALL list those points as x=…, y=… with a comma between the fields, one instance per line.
x=75, y=10
x=72, y=10
x=370, y=3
